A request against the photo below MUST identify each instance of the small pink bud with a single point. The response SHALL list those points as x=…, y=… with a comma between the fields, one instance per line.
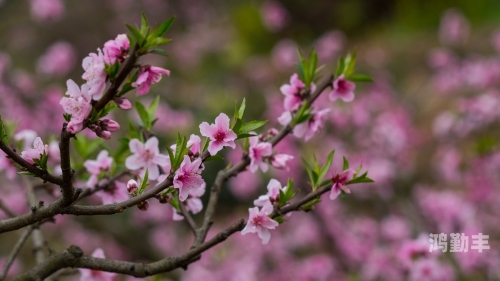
x=123, y=103
x=111, y=125
x=131, y=186
x=105, y=135
x=74, y=127
x=143, y=206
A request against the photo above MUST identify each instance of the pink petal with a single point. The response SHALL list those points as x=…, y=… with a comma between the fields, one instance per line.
x=264, y=234
x=207, y=130
x=152, y=145
x=153, y=171
x=135, y=145
x=334, y=193
x=215, y=147
x=222, y=122
x=133, y=162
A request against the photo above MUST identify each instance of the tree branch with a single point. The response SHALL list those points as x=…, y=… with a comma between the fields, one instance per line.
x=189, y=218
x=224, y=175
x=38, y=239
x=67, y=189
x=44, y=175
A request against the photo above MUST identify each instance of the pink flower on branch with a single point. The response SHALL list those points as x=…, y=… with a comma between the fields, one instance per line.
x=340, y=183
x=116, y=49
x=94, y=74
x=96, y=275
x=308, y=128
x=116, y=192
x=257, y=152
x=95, y=167
x=187, y=178
x=36, y=152
x=342, y=89
x=219, y=133
x=146, y=156
x=259, y=222
x=279, y=161
x=292, y=92
x=78, y=103
x=148, y=75
x=273, y=193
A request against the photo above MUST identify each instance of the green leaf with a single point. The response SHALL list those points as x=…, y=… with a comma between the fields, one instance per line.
x=309, y=205
x=172, y=158
x=244, y=136
x=144, y=183
x=175, y=202
x=143, y=114
x=250, y=126
x=137, y=34
x=214, y=158
x=158, y=52
x=282, y=198
x=205, y=145
x=125, y=89
x=326, y=167
x=350, y=64
x=153, y=107
x=313, y=177
x=67, y=117
x=144, y=25
x=315, y=164
x=158, y=41
x=289, y=189
x=164, y=27
x=237, y=126
x=346, y=164
x=112, y=70
x=241, y=111
x=178, y=149
x=360, y=179
x=303, y=118
x=360, y=78
x=340, y=67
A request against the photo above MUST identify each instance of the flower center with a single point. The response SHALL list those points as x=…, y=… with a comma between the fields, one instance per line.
x=339, y=179
x=219, y=136
x=257, y=221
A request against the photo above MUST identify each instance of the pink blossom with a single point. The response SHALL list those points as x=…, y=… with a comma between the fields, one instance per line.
x=259, y=222
x=279, y=161
x=195, y=143
x=115, y=193
x=132, y=185
x=148, y=75
x=292, y=92
x=315, y=124
x=257, y=152
x=340, y=183
x=343, y=89
x=58, y=60
x=36, y=152
x=47, y=10
x=273, y=193
x=95, y=167
x=274, y=16
x=187, y=178
x=430, y=270
x=94, y=74
x=27, y=136
x=78, y=103
x=146, y=156
x=454, y=28
x=219, y=133
x=96, y=275
x=74, y=127
x=123, y=103
x=116, y=49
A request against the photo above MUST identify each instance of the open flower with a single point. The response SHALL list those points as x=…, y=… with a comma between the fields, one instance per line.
x=146, y=156
x=149, y=75
x=36, y=152
x=94, y=74
x=187, y=178
x=279, y=161
x=94, y=167
x=116, y=49
x=219, y=133
x=315, y=124
x=257, y=152
x=259, y=222
x=116, y=192
x=340, y=183
x=292, y=92
x=78, y=102
x=342, y=89
x=273, y=193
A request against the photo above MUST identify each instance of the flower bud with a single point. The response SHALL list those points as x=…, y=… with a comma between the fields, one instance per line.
x=74, y=127
x=105, y=135
x=132, y=186
x=143, y=206
x=110, y=125
x=163, y=199
x=123, y=103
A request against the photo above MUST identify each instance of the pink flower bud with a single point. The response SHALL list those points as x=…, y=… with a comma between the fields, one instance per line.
x=131, y=186
x=143, y=206
x=123, y=103
x=74, y=127
x=111, y=125
x=105, y=135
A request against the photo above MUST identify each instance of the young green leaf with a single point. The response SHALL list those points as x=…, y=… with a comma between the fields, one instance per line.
x=326, y=167
x=214, y=158
x=244, y=136
x=158, y=52
x=241, y=111
x=144, y=25
x=164, y=27
x=143, y=114
x=250, y=126
x=137, y=34
x=346, y=164
x=360, y=78
x=152, y=108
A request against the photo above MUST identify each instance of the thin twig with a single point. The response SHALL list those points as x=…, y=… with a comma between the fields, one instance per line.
x=189, y=218
x=38, y=239
x=15, y=251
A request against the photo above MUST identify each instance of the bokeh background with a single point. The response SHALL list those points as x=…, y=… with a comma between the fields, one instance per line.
x=426, y=130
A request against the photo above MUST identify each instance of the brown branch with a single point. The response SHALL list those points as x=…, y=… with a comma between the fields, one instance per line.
x=58, y=207
x=72, y=257
x=224, y=175
x=122, y=75
x=67, y=189
x=66, y=258
x=295, y=206
x=6, y=209
x=44, y=175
